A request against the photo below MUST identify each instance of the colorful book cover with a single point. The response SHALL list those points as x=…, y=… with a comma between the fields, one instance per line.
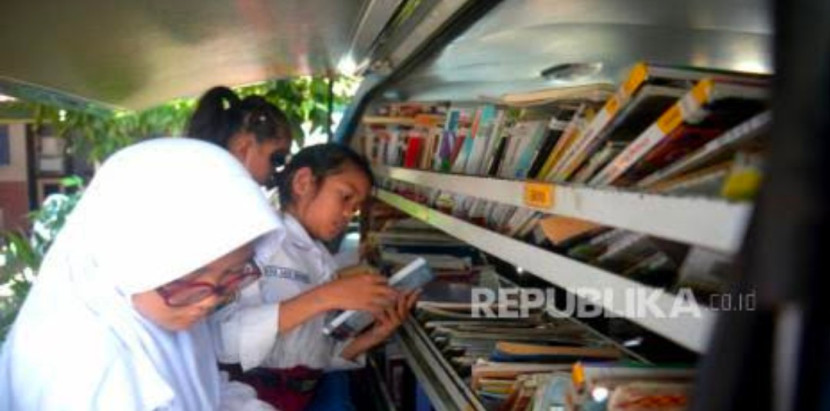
x=569, y=134
x=710, y=104
x=413, y=152
x=481, y=133
x=746, y=134
x=532, y=137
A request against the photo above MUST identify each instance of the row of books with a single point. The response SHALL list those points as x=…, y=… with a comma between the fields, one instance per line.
x=643, y=258
x=535, y=362
x=666, y=129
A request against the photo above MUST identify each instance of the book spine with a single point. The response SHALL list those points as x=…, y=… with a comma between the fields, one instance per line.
x=447, y=140
x=599, y=159
x=556, y=127
x=574, y=158
x=413, y=151
x=576, y=135
x=518, y=221
x=740, y=133
x=689, y=107
x=580, y=150
x=481, y=137
x=493, y=141
x=534, y=136
x=508, y=162
x=564, y=141
x=531, y=224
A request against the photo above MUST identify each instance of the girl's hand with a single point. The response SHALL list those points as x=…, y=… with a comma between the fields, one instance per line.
x=391, y=318
x=366, y=292
x=385, y=325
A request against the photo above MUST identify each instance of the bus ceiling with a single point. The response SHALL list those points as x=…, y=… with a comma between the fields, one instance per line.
x=135, y=54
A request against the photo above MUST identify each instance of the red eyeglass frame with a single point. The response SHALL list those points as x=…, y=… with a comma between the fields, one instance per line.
x=249, y=273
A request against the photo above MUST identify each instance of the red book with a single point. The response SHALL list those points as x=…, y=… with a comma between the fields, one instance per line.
x=413, y=151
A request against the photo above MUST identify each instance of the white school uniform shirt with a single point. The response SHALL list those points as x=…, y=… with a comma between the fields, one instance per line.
x=154, y=212
x=292, y=263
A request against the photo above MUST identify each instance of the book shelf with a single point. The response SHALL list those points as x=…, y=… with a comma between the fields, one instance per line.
x=691, y=332
x=388, y=121
x=712, y=223
x=441, y=384
x=658, y=157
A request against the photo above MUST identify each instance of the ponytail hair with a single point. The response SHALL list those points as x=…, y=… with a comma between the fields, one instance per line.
x=217, y=116
x=220, y=114
x=323, y=160
x=263, y=119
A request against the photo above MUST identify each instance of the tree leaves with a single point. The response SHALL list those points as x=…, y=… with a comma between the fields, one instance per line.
x=21, y=255
x=303, y=99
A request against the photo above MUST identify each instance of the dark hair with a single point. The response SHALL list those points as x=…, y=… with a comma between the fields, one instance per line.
x=220, y=114
x=323, y=160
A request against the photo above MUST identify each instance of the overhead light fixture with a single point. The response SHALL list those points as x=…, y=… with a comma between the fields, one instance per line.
x=571, y=71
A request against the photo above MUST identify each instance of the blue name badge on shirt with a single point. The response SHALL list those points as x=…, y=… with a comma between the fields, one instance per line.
x=271, y=271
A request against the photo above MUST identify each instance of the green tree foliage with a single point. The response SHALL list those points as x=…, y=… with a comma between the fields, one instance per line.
x=303, y=99
x=21, y=254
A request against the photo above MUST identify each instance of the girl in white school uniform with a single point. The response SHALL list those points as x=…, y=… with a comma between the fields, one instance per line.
x=116, y=318
x=274, y=329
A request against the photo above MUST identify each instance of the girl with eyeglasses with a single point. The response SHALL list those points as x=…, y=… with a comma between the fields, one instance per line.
x=116, y=318
x=274, y=330
x=256, y=132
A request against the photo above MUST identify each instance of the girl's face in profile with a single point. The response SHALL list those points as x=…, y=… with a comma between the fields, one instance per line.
x=333, y=202
x=153, y=305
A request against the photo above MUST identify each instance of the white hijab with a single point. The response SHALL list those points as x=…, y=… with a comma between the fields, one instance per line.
x=154, y=212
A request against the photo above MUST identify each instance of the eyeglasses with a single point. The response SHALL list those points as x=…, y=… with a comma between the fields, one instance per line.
x=184, y=293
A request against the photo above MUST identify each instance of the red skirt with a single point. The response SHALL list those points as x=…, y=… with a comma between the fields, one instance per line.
x=286, y=389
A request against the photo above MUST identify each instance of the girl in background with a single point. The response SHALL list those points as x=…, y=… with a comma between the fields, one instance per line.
x=275, y=329
x=115, y=320
x=255, y=131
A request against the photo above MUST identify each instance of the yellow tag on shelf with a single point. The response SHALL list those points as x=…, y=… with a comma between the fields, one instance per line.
x=539, y=195
x=670, y=119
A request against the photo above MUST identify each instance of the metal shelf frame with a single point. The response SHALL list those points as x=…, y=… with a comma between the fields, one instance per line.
x=689, y=329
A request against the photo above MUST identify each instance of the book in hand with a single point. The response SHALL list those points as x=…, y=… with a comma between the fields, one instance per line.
x=351, y=322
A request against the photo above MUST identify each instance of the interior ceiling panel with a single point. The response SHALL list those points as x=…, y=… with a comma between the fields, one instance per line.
x=507, y=50
x=135, y=54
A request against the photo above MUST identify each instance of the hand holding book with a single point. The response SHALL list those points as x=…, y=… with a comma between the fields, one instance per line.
x=384, y=326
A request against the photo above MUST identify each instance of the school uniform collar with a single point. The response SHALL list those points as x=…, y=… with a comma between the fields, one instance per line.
x=299, y=236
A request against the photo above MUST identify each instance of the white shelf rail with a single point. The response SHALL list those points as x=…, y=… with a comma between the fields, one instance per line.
x=712, y=223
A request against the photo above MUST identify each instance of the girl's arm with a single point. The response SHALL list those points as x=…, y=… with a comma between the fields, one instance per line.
x=359, y=292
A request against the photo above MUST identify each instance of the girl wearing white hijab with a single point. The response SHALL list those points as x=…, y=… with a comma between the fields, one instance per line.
x=115, y=320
